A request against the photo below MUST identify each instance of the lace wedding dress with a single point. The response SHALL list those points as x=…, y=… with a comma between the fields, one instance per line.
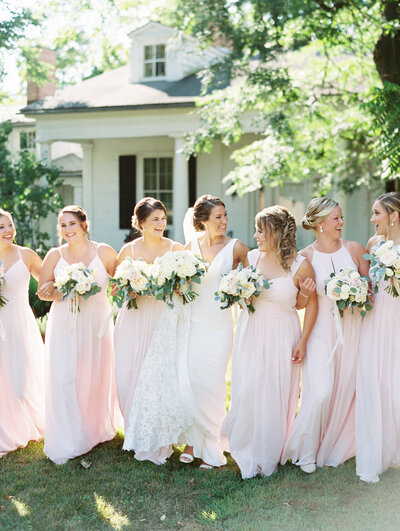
x=157, y=416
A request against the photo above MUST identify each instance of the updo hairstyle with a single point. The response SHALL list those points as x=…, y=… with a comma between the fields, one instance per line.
x=202, y=210
x=79, y=214
x=390, y=202
x=276, y=221
x=318, y=209
x=143, y=209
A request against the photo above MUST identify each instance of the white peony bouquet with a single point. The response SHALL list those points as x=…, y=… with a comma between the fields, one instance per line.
x=385, y=265
x=75, y=281
x=349, y=290
x=176, y=272
x=239, y=285
x=3, y=300
x=132, y=278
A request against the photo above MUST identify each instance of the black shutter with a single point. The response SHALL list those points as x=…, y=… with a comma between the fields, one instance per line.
x=192, y=172
x=127, y=189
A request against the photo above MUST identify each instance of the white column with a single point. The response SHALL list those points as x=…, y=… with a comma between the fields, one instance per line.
x=87, y=178
x=78, y=196
x=180, y=188
x=49, y=224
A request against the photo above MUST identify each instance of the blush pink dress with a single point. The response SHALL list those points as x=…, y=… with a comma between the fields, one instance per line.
x=378, y=389
x=265, y=382
x=21, y=365
x=324, y=432
x=81, y=401
x=132, y=335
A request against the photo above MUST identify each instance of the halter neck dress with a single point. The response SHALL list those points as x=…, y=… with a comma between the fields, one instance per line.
x=323, y=432
x=21, y=364
x=81, y=401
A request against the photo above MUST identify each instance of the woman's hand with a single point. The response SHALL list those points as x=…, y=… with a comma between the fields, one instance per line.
x=299, y=352
x=307, y=287
x=46, y=289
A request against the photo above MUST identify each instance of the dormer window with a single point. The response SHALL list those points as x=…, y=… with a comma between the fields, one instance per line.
x=154, y=60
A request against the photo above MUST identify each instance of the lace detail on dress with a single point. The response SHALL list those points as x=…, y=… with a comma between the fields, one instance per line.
x=158, y=416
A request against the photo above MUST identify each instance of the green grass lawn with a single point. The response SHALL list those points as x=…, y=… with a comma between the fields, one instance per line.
x=116, y=492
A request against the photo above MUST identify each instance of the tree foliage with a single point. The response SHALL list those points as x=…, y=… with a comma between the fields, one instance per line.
x=28, y=189
x=305, y=80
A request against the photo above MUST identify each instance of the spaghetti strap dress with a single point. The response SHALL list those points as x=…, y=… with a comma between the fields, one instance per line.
x=81, y=399
x=21, y=364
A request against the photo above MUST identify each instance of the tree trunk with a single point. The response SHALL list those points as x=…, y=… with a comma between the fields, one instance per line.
x=387, y=48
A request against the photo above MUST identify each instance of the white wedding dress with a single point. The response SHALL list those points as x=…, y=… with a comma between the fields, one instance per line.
x=157, y=415
x=210, y=345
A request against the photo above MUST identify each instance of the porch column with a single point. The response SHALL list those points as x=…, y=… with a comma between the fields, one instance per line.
x=49, y=224
x=180, y=188
x=87, y=178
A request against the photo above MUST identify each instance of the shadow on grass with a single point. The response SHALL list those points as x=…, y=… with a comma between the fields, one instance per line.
x=118, y=493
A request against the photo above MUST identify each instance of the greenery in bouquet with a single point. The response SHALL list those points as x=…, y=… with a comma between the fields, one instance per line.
x=132, y=278
x=385, y=265
x=349, y=289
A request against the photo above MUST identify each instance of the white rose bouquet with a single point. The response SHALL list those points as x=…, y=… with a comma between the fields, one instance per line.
x=176, y=271
x=131, y=278
x=239, y=285
x=349, y=290
x=3, y=300
x=76, y=281
x=385, y=265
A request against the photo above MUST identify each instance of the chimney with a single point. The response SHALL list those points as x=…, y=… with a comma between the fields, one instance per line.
x=34, y=91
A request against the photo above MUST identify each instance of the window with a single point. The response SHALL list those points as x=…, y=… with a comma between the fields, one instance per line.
x=27, y=140
x=154, y=60
x=157, y=181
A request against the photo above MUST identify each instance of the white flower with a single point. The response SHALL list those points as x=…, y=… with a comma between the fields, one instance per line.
x=389, y=272
x=389, y=258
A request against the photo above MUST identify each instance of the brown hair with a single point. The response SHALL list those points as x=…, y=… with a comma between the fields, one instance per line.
x=202, y=210
x=318, y=209
x=144, y=208
x=390, y=202
x=279, y=221
x=80, y=215
x=6, y=213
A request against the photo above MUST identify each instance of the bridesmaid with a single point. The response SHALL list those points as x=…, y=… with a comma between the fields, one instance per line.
x=134, y=328
x=80, y=388
x=21, y=346
x=210, y=336
x=378, y=371
x=323, y=432
x=269, y=348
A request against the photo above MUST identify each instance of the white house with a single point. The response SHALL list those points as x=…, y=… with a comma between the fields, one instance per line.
x=130, y=125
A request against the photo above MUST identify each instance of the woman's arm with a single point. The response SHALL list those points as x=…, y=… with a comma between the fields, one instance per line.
x=305, y=282
x=32, y=261
x=310, y=316
x=357, y=252
x=47, y=276
x=108, y=256
x=240, y=251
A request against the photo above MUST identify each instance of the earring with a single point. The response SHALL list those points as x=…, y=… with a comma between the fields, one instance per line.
x=321, y=229
x=392, y=224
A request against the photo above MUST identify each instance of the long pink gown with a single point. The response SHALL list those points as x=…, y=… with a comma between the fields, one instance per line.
x=324, y=432
x=81, y=401
x=21, y=365
x=378, y=389
x=132, y=335
x=265, y=382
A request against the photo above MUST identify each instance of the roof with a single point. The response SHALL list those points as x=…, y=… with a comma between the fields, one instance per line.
x=113, y=91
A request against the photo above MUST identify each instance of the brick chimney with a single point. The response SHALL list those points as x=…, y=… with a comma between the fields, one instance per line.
x=34, y=91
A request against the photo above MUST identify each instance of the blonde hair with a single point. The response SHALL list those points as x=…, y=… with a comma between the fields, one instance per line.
x=80, y=215
x=318, y=209
x=7, y=214
x=279, y=221
x=390, y=202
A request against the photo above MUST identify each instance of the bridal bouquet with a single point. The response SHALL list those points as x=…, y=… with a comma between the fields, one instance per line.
x=3, y=300
x=131, y=278
x=176, y=272
x=76, y=281
x=385, y=265
x=349, y=290
x=239, y=285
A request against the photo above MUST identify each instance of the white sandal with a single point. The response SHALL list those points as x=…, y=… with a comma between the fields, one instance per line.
x=204, y=466
x=186, y=458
